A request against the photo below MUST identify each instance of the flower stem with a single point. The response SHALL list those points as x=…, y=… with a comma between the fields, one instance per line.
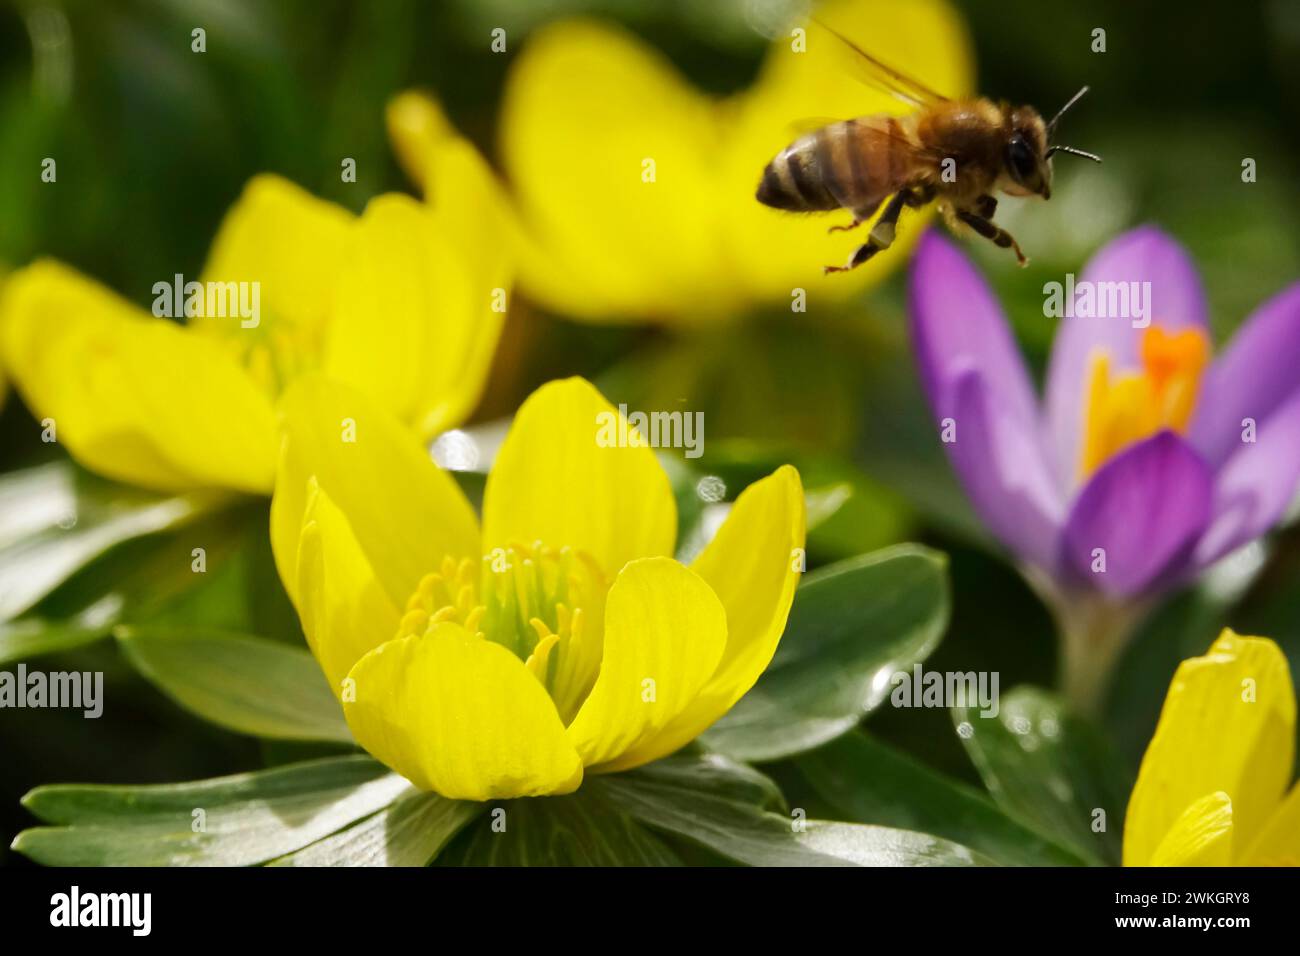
x=1093, y=636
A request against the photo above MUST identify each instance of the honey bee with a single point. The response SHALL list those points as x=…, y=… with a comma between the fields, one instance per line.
x=958, y=152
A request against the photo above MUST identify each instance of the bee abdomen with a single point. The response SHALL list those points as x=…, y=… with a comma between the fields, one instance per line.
x=795, y=179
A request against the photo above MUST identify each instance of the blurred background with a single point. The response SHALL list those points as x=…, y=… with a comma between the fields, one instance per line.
x=154, y=143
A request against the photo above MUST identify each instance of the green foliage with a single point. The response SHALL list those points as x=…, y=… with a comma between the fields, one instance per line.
x=852, y=626
x=246, y=684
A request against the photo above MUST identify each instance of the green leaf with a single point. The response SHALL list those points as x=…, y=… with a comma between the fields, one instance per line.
x=717, y=775
x=742, y=830
x=1050, y=769
x=56, y=519
x=31, y=636
x=246, y=684
x=581, y=829
x=409, y=832
x=853, y=624
x=246, y=818
x=869, y=782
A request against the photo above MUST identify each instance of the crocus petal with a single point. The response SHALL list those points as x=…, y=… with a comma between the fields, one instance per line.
x=665, y=630
x=407, y=514
x=1202, y=836
x=572, y=473
x=977, y=386
x=134, y=398
x=1278, y=844
x=586, y=108
x=290, y=243
x=1177, y=301
x=752, y=565
x=957, y=325
x=1005, y=473
x=461, y=716
x=1255, y=375
x=345, y=612
x=1144, y=509
x=1228, y=724
x=1255, y=484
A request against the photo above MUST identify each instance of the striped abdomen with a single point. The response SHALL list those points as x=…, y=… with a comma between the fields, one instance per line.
x=853, y=164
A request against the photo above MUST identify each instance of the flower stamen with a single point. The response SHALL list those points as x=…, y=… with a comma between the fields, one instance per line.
x=530, y=600
x=1131, y=406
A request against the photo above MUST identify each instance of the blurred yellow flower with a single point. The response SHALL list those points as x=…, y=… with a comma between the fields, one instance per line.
x=501, y=661
x=635, y=191
x=1212, y=790
x=405, y=302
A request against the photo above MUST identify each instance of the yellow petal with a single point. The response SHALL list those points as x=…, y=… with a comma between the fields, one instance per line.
x=134, y=398
x=291, y=243
x=384, y=330
x=1201, y=836
x=751, y=566
x=345, y=612
x=562, y=478
x=461, y=716
x=478, y=236
x=417, y=127
x=422, y=299
x=1228, y=724
x=613, y=158
x=1278, y=844
x=664, y=635
x=774, y=251
x=406, y=513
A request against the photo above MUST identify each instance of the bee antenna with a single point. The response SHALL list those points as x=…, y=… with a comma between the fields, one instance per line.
x=1061, y=112
x=1073, y=152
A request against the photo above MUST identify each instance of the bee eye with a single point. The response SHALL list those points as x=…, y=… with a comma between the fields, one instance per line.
x=1020, y=158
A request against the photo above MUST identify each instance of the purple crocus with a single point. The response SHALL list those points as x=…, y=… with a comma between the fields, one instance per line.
x=1144, y=462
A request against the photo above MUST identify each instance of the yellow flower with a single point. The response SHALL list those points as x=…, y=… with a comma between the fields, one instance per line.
x=404, y=302
x=501, y=661
x=1212, y=790
x=635, y=190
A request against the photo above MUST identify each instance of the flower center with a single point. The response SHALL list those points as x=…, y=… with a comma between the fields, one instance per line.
x=545, y=605
x=1131, y=406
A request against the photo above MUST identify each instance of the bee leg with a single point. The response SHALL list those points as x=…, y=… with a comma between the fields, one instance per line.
x=995, y=234
x=853, y=225
x=986, y=206
x=918, y=196
x=859, y=217
x=881, y=237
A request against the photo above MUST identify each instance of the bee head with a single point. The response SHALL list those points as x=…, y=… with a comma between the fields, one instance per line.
x=1025, y=167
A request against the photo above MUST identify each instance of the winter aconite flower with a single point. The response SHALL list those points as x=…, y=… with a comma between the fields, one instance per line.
x=503, y=660
x=405, y=303
x=635, y=190
x=1148, y=460
x=1213, y=788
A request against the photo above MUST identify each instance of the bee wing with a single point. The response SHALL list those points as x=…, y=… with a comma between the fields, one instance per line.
x=884, y=77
